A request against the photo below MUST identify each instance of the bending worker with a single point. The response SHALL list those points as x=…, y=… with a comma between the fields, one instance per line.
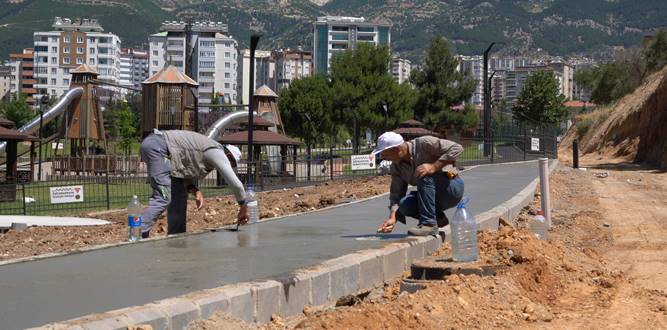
x=175, y=159
x=427, y=163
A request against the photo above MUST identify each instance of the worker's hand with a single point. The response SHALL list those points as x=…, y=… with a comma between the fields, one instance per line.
x=199, y=199
x=242, y=217
x=426, y=170
x=388, y=225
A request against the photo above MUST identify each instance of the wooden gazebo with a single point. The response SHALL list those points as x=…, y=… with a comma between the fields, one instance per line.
x=168, y=99
x=12, y=137
x=411, y=129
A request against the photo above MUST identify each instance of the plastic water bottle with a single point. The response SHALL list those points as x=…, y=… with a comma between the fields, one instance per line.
x=464, y=234
x=253, y=205
x=134, y=211
x=539, y=226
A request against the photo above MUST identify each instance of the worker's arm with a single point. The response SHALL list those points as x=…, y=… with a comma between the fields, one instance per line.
x=218, y=159
x=447, y=151
x=192, y=188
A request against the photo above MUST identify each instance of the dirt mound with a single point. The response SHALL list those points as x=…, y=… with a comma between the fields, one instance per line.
x=633, y=129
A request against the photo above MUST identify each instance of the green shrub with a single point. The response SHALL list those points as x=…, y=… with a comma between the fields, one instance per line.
x=583, y=126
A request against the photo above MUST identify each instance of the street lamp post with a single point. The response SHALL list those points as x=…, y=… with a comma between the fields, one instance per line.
x=254, y=39
x=308, y=143
x=487, y=103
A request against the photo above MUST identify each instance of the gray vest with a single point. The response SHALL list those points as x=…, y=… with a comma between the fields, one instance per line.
x=186, y=151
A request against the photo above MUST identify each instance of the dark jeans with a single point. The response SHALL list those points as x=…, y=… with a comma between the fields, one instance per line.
x=434, y=194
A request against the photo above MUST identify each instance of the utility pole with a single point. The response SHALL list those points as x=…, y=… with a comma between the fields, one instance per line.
x=487, y=103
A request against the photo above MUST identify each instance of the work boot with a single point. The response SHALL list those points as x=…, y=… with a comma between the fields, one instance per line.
x=423, y=230
x=442, y=219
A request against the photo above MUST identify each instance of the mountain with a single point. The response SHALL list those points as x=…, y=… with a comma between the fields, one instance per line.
x=559, y=27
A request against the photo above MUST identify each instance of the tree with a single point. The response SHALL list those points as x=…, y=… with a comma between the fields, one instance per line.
x=540, y=101
x=122, y=124
x=440, y=85
x=656, y=52
x=17, y=110
x=311, y=96
x=360, y=83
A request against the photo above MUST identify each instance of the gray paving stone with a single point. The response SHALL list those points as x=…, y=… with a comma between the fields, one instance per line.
x=148, y=314
x=119, y=322
x=180, y=312
x=295, y=293
x=371, y=273
x=344, y=276
x=212, y=302
x=320, y=284
x=266, y=295
x=241, y=303
x=393, y=261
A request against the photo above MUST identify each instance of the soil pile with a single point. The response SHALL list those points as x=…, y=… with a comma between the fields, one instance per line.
x=634, y=128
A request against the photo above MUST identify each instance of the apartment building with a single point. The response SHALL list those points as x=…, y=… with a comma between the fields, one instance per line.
x=202, y=50
x=22, y=78
x=133, y=67
x=70, y=44
x=265, y=72
x=473, y=66
x=400, y=69
x=290, y=64
x=516, y=79
x=333, y=34
x=6, y=74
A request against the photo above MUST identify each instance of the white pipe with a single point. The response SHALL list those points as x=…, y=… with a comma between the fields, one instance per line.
x=544, y=189
x=50, y=114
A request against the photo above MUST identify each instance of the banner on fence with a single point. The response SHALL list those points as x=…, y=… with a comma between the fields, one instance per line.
x=534, y=144
x=57, y=146
x=363, y=162
x=68, y=194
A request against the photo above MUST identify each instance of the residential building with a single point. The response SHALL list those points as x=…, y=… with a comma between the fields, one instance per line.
x=580, y=92
x=400, y=69
x=70, y=44
x=290, y=64
x=516, y=79
x=156, y=52
x=23, y=80
x=200, y=51
x=133, y=67
x=567, y=81
x=334, y=34
x=6, y=74
x=473, y=66
x=265, y=72
x=226, y=68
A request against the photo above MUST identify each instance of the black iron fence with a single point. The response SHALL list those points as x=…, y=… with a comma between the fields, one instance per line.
x=73, y=194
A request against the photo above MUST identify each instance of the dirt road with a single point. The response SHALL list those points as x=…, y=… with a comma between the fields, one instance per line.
x=604, y=266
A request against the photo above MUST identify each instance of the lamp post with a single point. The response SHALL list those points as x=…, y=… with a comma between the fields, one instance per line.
x=254, y=39
x=487, y=102
x=308, y=143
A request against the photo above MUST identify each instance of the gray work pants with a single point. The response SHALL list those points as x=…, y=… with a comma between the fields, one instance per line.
x=167, y=192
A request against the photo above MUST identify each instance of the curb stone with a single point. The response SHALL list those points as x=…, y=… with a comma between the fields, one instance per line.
x=287, y=295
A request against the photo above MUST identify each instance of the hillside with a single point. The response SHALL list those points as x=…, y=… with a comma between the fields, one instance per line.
x=560, y=27
x=632, y=129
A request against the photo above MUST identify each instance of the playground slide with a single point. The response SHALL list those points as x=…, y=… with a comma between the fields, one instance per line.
x=50, y=114
x=225, y=121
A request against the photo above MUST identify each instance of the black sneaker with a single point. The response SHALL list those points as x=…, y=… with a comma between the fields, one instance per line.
x=423, y=230
x=442, y=219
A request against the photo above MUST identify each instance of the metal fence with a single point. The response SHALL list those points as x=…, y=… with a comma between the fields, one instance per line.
x=273, y=171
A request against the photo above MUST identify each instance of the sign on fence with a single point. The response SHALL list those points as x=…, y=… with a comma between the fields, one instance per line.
x=363, y=162
x=534, y=144
x=69, y=194
x=57, y=146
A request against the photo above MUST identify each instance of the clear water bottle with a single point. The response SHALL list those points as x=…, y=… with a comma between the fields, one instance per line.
x=464, y=234
x=134, y=211
x=539, y=226
x=253, y=205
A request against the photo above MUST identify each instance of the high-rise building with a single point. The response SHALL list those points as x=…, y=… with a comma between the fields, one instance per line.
x=567, y=74
x=290, y=64
x=265, y=72
x=70, y=44
x=334, y=34
x=133, y=67
x=516, y=79
x=473, y=66
x=23, y=80
x=6, y=74
x=199, y=50
x=400, y=69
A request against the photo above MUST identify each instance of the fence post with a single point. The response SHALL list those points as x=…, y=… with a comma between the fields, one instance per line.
x=525, y=141
x=23, y=194
x=331, y=163
x=493, y=146
x=107, y=188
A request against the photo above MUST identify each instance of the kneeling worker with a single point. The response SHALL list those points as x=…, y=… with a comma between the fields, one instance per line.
x=427, y=163
x=175, y=159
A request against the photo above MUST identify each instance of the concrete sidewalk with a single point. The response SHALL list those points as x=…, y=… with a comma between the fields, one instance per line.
x=55, y=289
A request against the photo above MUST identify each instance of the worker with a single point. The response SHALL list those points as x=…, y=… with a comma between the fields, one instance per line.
x=175, y=160
x=426, y=162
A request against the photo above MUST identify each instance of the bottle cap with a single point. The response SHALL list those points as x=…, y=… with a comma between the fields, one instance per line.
x=135, y=197
x=539, y=212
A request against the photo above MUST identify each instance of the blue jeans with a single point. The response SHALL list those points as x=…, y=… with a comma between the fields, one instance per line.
x=434, y=194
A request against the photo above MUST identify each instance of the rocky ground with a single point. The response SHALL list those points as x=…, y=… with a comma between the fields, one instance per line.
x=604, y=266
x=217, y=212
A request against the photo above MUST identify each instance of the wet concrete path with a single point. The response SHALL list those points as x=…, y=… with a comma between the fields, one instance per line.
x=56, y=289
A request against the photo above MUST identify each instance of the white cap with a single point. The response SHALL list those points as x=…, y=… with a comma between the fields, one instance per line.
x=386, y=141
x=235, y=151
